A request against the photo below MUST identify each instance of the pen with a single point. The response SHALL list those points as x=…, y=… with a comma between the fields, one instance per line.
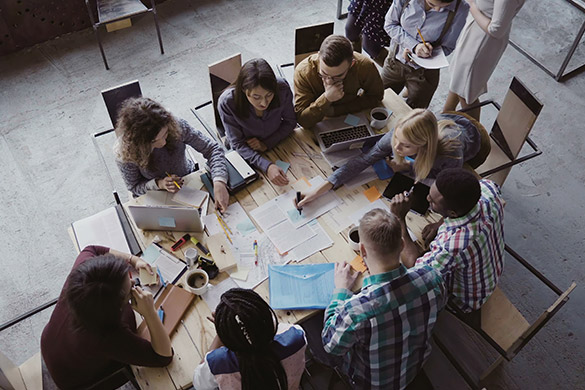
x=255, y=252
x=174, y=181
x=421, y=37
x=161, y=314
x=410, y=191
x=298, y=200
x=180, y=242
x=200, y=246
x=161, y=278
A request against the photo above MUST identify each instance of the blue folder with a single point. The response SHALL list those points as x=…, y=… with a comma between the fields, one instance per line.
x=301, y=286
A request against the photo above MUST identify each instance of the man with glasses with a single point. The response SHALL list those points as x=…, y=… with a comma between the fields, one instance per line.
x=439, y=23
x=334, y=82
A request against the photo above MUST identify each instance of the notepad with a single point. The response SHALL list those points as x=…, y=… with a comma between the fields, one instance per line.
x=301, y=286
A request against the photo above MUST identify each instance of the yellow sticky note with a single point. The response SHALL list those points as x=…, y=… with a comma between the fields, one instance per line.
x=358, y=264
x=372, y=194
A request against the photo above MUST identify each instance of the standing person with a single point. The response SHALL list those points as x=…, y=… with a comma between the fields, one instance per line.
x=365, y=24
x=479, y=49
x=334, y=82
x=151, y=154
x=467, y=248
x=257, y=113
x=92, y=331
x=384, y=330
x=434, y=145
x=440, y=23
x=251, y=349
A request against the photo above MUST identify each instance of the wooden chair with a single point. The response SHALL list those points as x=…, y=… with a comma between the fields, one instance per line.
x=308, y=40
x=112, y=11
x=222, y=74
x=502, y=327
x=510, y=131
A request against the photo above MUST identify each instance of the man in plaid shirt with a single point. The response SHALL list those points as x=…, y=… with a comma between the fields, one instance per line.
x=468, y=249
x=383, y=331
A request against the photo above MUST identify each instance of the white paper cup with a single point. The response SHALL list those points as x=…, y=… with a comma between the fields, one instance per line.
x=197, y=281
x=354, y=239
x=380, y=117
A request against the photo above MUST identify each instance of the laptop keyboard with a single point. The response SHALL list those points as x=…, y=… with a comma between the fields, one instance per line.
x=347, y=134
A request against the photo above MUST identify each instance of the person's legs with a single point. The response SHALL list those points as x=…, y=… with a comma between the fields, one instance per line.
x=353, y=33
x=421, y=85
x=472, y=113
x=393, y=74
x=452, y=102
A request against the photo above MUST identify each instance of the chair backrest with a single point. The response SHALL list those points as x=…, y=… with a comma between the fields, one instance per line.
x=114, y=97
x=515, y=119
x=308, y=39
x=222, y=74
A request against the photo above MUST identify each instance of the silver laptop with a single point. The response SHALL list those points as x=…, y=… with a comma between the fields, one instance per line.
x=334, y=134
x=182, y=219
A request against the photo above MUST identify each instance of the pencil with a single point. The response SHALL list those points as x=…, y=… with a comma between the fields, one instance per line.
x=222, y=228
x=174, y=181
x=421, y=37
x=222, y=221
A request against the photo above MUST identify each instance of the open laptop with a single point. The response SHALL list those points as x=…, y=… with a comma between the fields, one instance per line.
x=334, y=134
x=176, y=218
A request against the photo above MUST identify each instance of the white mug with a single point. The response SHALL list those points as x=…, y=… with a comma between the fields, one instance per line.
x=378, y=123
x=191, y=255
x=197, y=281
x=354, y=239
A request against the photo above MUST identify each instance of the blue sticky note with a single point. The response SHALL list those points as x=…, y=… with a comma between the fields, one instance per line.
x=246, y=227
x=383, y=170
x=294, y=215
x=150, y=254
x=282, y=165
x=352, y=120
x=166, y=222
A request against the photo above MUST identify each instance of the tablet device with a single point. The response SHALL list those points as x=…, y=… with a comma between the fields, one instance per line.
x=400, y=183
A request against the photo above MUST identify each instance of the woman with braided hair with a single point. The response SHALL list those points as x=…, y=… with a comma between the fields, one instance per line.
x=251, y=349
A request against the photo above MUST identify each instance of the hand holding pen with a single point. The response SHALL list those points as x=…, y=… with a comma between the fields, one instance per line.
x=401, y=203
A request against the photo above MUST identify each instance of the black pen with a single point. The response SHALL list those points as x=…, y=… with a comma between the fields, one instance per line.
x=298, y=200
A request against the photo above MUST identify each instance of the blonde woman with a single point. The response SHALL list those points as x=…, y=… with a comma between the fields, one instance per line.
x=433, y=143
x=153, y=144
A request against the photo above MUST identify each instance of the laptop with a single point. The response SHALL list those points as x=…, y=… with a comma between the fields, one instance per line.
x=175, y=218
x=334, y=134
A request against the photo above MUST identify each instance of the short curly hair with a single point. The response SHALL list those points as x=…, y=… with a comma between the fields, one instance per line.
x=460, y=189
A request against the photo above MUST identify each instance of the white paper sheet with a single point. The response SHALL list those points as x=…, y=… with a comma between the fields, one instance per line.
x=212, y=296
x=378, y=204
x=159, y=198
x=190, y=196
x=236, y=219
x=313, y=245
x=268, y=215
x=103, y=228
x=436, y=61
x=285, y=236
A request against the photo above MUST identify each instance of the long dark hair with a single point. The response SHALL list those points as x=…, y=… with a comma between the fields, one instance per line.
x=256, y=72
x=140, y=120
x=246, y=325
x=95, y=293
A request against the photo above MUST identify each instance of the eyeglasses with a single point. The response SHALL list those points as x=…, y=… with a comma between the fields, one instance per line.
x=339, y=77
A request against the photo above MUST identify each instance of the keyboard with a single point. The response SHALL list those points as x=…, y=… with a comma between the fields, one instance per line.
x=346, y=134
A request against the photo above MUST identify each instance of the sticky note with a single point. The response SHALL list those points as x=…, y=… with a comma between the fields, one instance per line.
x=167, y=222
x=294, y=215
x=372, y=194
x=150, y=254
x=282, y=165
x=246, y=227
x=352, y=120
x=358, y=264
x=146, y=278
x=240, y=274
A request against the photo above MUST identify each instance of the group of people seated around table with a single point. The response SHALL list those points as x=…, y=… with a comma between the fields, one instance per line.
x=380, y=333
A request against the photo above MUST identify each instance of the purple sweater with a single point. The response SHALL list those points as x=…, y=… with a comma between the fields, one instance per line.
x=275, y=125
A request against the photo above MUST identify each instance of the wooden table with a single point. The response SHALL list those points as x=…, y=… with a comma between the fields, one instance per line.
x=194, y=335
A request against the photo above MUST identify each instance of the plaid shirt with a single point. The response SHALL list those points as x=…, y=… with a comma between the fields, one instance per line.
x=469, y=251
x=383, y=331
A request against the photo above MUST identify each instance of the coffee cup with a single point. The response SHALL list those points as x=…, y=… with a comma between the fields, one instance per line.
x=380, y=116
x=197, y=281
x=353, y=237
x=191, y=255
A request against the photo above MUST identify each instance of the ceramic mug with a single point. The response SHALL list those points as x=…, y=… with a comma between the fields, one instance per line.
x=353, y=238
x=380, y=116
x=197, y=281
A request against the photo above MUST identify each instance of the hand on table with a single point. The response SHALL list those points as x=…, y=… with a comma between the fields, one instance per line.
x=310, y=196
x=345, y=276
x=256, y=144
x=168, y=183
x=423, y=50
x=222, y=197
x=142, y=301
x=276, y=175
x=333, y=90
x=430, y=231
x=400, y=204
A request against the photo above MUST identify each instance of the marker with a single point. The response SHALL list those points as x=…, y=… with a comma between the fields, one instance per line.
x=180, y=242
x=174, y=181
x=200, y=246
x=161, y=278
x=255, y=252
x=161, y=314
x=298, y=200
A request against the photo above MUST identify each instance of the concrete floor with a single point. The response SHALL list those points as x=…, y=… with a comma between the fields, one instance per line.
x=50, y=103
